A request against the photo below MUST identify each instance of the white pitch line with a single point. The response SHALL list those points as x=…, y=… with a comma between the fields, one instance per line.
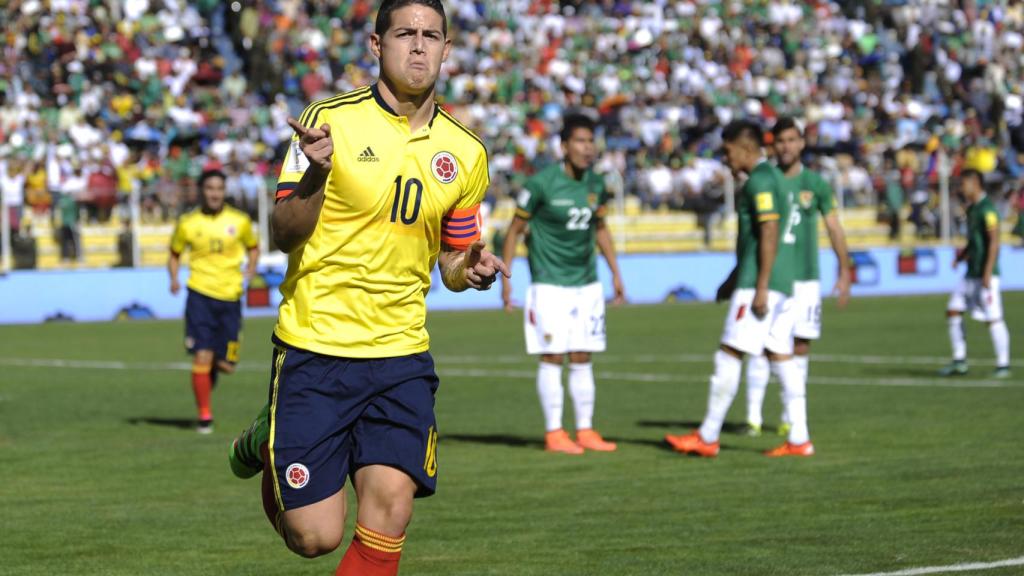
x=971, y=567
x=445, y=371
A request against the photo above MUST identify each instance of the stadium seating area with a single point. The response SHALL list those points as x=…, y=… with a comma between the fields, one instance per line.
x=102, y=99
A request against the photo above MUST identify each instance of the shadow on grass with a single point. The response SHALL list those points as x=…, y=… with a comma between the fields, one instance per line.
x=495, y=439
x=185, y=423
x=673, y=426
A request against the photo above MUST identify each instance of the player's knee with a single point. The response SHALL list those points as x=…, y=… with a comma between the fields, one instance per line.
x=311, y=543
x=391, y=506
x=801, y=347
x=203, y=358
x=579, y=357
x=552, y=359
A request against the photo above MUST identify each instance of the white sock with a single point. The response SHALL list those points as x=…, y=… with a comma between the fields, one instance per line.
x=724, y=384
x=1001, y=342
x=794, y=389
x=758, y=374
x=804, y=364
x=956, y=337
x=549, y=388
x=581, y=388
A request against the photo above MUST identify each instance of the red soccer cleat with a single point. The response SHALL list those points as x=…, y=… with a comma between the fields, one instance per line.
x=559, y=441
x=692, y=443
x=591, y=440
x=787, y=449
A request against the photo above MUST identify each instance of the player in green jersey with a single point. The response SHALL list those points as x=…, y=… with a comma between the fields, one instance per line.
x=812, y=196
x=978, y=292
x=564, y=207
x=760, y=316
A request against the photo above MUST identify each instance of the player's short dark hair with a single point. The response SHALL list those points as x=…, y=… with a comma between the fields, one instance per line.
x=783, y=124
x=572, y=122
x=389, y=6
x=207, y=174
x=743, y=130
x=972, y=173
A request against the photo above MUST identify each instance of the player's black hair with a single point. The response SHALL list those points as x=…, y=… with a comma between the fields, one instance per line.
x=783, y=124
x=745, y=130
x=389, y=6
x=207, y=174
x=972, y=173
x=573, y=121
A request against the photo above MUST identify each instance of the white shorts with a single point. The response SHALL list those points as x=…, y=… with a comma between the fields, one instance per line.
x=807, y=309
x=744, y=332
x=984, y=305
x=562, y=319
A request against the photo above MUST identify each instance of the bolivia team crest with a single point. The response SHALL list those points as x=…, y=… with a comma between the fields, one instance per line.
x=297, y=476
x=806, y=197
x=444, y=167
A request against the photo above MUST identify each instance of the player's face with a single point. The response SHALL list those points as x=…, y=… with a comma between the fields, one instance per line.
x=213, y=193
x=412, y=49
x=788, y=147
x=739, y=156
x=970, y=188
x=579, y=149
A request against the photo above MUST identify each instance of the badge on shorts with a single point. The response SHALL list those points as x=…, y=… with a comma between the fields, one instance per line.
x=444, y=167
x=297, y=476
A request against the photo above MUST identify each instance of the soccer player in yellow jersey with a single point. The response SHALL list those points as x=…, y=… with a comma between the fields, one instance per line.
x=379, y=185
x=217, y=236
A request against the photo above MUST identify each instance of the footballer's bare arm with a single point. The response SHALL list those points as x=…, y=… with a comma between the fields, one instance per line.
x=472, y=268
x=296, y=215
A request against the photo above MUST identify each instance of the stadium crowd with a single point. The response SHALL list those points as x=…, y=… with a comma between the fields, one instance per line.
x=100, y=98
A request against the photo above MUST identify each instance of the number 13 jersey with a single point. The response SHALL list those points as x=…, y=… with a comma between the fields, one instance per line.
x=563, y=214
x=357, y=287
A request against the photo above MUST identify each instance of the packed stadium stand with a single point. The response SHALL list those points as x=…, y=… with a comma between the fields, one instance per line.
x=103, y=101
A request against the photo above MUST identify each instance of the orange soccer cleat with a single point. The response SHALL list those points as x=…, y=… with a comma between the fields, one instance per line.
x=591, y=440
x=692, y=443
x=559, y=441
x=787, y=449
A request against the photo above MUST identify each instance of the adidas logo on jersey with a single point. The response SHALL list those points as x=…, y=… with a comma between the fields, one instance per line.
x=368, y=156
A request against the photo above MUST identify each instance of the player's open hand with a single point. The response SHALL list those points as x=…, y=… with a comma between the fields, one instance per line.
x=315, y=143
x=482, y=267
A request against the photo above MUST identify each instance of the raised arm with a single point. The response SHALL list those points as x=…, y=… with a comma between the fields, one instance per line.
x=295, y=216
x=473, y=268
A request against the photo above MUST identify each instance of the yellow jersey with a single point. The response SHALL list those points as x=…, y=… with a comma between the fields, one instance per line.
x=217, y=244
x=357, y=287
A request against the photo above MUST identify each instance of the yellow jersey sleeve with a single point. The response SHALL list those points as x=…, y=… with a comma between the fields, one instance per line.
x=178, y=239
x=248, y=236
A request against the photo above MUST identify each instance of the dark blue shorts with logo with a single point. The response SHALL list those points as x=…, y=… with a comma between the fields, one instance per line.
x=212, y=324
x=331, y=416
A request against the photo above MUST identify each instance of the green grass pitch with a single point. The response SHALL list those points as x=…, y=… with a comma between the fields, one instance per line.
x=101, y=473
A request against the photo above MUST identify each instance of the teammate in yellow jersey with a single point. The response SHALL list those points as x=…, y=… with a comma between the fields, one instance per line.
x=217, y=237
x=378, y=186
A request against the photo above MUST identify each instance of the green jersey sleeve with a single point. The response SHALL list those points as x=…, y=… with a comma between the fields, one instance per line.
x=826, y=196
x=764, y=195
x=530, y=199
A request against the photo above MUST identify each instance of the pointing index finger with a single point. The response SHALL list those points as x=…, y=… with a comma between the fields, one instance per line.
x=298, y=128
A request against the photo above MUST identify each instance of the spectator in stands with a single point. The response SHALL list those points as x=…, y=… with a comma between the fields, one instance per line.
x=13, y=174
x=892, y=188
x=1018, y=230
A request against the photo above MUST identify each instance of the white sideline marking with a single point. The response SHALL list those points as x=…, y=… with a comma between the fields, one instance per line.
x=972, y=567
x=513, y=374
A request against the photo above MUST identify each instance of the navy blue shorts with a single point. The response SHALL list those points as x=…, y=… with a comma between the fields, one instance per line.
x=331, y=416
x=212, y=324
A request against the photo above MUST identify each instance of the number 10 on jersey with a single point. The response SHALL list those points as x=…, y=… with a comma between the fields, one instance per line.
x=402, y=195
